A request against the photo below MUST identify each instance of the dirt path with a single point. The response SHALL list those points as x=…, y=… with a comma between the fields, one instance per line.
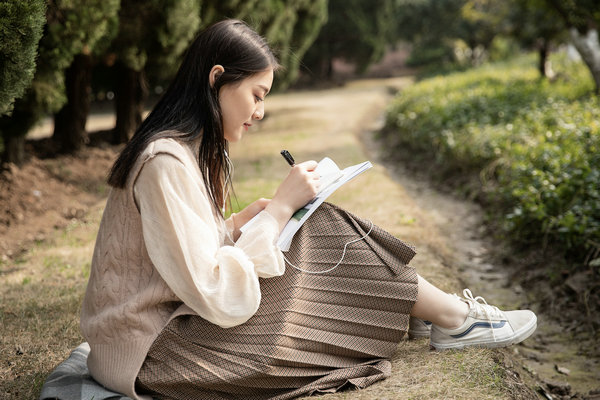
x=42, y=278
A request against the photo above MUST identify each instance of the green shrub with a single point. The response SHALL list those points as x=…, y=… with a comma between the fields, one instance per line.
x=535, y=143
x=21, y=24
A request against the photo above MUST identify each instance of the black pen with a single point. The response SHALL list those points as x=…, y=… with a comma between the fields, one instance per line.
x=288, y=157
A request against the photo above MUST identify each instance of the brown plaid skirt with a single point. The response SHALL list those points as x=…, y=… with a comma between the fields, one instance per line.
x=312, y=332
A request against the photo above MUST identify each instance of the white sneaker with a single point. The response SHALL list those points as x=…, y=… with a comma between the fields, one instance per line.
x=485, y=326
x=418, y=328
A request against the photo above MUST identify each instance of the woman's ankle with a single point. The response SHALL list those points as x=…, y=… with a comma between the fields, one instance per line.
x=456, y=316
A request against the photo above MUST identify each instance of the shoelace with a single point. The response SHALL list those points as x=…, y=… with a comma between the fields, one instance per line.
x=488, y=310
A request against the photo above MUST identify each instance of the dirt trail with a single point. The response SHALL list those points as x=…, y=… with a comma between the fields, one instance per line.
x=453, y=251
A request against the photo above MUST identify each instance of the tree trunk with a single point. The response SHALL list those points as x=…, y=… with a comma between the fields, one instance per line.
x=69, y=122
x=14, y=149
x=328, y=68
x=589, y=48
x=14, y=129
x=130, y=94
x=543, y=58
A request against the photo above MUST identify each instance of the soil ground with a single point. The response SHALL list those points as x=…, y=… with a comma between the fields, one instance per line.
x=50, y=210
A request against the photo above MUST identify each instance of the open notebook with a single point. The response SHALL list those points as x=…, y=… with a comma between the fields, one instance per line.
x=332, y=177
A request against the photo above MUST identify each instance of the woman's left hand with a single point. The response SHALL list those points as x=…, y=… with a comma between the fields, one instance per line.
x=240, y=218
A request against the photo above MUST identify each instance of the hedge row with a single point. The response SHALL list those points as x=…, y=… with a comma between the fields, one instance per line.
x=534, y=142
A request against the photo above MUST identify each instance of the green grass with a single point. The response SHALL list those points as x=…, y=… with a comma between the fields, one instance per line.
x=534, y=144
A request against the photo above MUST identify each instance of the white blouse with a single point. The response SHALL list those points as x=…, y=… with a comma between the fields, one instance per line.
x=192, y=249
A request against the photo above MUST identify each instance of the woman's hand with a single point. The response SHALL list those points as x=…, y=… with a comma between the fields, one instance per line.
x=240, y=218
x=298, y=188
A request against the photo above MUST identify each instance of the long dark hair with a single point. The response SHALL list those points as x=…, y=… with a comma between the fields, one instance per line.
x=190, y=107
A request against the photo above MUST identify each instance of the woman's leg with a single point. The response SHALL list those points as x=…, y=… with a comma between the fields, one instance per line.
x=439, y=307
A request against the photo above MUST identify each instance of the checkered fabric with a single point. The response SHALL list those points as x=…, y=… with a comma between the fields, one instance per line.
x=312, y=332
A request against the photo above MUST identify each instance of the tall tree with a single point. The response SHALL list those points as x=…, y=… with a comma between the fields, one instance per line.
x=100, y=19
x=480, y=22
x=431, y=26
x=582, y=18
x=535, y=26
x=357, y=31
x=290, y=26
x=151, y=31
x=21, y=24
x=65, y=34
x=292, y=31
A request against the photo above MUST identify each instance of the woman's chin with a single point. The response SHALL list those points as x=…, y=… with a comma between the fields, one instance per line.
x=234, y=136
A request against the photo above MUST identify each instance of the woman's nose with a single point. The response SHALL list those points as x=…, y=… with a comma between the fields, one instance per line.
x=259, y=113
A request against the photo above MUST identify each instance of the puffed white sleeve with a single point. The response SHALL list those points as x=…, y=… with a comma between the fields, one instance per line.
x=219, y=282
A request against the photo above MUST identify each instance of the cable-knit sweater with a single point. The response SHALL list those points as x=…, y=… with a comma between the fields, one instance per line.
x=162, y=252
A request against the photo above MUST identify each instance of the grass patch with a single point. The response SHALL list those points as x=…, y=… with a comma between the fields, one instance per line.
x=41, y=301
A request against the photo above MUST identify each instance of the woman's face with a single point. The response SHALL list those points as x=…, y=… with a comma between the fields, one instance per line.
x=242, y=103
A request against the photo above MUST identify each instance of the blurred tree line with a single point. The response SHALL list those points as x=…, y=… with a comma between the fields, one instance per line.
x=56, y=54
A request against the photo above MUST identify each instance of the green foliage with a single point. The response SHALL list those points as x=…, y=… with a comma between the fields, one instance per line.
x=72, y=27
x=582, y=17
x=357, y=31
x=534, y=143
x=581, y=14
x=306, y=21
x=503, y=48
x=431, y=26
x=534, y=20
x=155, y=32
x=438, y=28
x=482, y=20
x=290, y=26
x=21, y=24
x=177, y=30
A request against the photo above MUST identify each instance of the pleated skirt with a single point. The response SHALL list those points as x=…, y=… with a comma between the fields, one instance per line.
x=313, y=332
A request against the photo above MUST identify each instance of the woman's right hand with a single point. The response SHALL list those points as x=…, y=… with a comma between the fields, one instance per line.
x=297, y=189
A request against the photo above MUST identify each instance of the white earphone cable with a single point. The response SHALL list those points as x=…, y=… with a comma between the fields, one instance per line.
x=338, y=263
x=228, y=178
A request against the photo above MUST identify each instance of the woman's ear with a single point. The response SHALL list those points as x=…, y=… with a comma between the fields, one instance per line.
x=214, y=74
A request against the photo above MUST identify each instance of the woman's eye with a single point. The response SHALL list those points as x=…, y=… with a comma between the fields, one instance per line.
x=258, y=99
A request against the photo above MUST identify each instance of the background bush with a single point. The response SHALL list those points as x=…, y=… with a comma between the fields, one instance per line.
x=535, y=144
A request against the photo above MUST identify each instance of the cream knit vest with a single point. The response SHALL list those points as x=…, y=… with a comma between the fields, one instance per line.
x=127, y=303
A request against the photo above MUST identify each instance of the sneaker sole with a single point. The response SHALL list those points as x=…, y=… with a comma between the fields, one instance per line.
x=418, y=335
x=518, y=337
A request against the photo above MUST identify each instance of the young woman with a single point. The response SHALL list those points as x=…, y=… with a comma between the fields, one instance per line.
x=174, y=306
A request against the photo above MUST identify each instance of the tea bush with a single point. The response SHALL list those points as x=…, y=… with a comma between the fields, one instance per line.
x=535, y=143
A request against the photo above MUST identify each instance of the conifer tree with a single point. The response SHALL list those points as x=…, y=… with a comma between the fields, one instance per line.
x=99, y=18
x=150, y=32
x=290, y=26
x=357, y=31
x=154, y=34
x=21, y=24
x=69, y=27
